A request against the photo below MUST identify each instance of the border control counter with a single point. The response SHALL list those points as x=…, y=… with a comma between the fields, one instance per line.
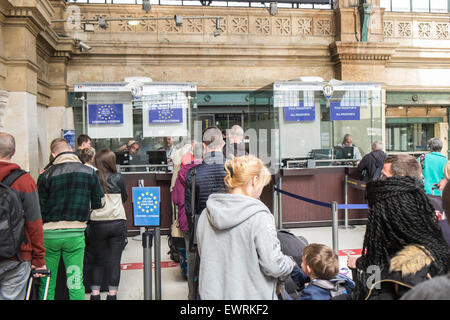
x=309, y=121
x=158, y=116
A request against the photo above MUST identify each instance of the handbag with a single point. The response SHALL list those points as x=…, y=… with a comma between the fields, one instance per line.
x=175, y=229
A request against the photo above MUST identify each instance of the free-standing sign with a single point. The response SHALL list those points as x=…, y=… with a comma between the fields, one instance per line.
x=299, y=113
x=342, y=112
x=69, y=135
x=105, y=113
x=146, y=206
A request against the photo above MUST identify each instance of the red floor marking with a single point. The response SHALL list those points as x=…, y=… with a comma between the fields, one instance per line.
x=140, y=265
x=350, y=252
x=171, y=264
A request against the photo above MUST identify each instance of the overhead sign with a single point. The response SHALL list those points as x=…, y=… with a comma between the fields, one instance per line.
x=165, y=113
x=343, y=112
x=105, y=113
x=299, y=113
x=146, y=206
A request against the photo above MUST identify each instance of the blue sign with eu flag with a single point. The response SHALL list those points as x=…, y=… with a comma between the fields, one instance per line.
x=342, y=112
x=165, y=113
x=299, y=113
x=146, y=205
x=105, y=113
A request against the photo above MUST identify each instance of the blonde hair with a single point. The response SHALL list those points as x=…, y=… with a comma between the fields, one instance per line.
x=240, y=170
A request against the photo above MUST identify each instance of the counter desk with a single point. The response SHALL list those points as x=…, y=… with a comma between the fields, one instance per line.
x=325, y=184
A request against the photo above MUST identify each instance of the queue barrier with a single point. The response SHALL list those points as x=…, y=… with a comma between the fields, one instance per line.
x=334, y=210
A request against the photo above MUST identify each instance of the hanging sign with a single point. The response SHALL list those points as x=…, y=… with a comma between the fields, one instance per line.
x=105, y=113
x=342, y=112
x=299, y=113
x=165, y=113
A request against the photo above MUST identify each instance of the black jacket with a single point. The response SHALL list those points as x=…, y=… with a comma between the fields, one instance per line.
x=116, y=184
x=409, y=267
x=209, y=179
x=370, y=162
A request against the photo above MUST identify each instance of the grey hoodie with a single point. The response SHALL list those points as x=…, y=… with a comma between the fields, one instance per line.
x=240, y=254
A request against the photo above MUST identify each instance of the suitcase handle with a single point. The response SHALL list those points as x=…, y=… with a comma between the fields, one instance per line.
x=45, y=272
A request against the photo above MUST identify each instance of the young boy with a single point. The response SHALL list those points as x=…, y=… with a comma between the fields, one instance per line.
x=319, y=274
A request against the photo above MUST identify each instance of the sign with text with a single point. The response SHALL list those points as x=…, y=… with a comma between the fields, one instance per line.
x=342, y=112
x=299, y=113
x=165, y=113
x=106, y=113
x=146, y=206
x=69, y=135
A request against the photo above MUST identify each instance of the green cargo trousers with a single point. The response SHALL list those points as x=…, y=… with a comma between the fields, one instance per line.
x=71, y=247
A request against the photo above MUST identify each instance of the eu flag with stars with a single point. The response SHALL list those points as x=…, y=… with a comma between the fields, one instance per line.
x=165, y=113
x=105, y=113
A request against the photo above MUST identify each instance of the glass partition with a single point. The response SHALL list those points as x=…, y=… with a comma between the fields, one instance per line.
x=311, y=127
x=158, y=116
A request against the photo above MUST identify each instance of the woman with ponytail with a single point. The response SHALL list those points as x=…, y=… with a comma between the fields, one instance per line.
x=239, y=250
x=403, y=244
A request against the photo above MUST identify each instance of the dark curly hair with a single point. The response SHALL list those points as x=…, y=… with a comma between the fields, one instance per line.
x=400, y=214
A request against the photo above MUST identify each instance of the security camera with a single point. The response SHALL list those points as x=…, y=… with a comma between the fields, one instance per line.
x=217, y=33
x=84, y=46
x=146, y=6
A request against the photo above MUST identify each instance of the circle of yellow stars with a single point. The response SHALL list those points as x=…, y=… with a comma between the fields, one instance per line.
x=165, y=113
x=105, y=112
x=147, y=209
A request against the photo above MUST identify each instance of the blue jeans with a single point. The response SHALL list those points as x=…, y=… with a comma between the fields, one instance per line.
x=13, y=279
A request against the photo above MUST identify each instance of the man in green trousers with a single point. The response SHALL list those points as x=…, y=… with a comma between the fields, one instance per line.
x=68, y=190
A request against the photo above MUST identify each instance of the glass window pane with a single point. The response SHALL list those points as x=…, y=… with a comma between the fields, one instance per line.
x=386, y=4
x=439, y=6
x=401, y=5
x=420, y=6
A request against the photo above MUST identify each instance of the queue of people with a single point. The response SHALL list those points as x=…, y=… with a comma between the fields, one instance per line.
x=77, y=206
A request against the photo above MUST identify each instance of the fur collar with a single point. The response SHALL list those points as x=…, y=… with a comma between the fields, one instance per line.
x=410, y=260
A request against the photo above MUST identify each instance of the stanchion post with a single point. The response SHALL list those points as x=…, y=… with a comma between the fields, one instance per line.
x=157, y=263
x=141, y=229
x=147, y=245
x=280, y=205
x=346, y=200
x=334, y=226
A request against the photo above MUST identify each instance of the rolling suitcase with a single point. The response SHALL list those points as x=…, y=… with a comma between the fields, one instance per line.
x=30, y=287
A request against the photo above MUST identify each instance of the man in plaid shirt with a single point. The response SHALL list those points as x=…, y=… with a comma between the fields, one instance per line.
x=68, y=190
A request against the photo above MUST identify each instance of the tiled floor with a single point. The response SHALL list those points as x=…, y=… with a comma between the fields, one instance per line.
x=174, y=287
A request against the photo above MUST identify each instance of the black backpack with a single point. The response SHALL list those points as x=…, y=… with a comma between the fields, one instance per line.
x=12, y=219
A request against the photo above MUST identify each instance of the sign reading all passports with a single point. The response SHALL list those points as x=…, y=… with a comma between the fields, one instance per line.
x=342, y=112
x=105, y=113
x=165, y=113
x=299, y=113
x=146, y=205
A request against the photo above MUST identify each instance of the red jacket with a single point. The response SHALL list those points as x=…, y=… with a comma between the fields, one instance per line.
x=34, y=250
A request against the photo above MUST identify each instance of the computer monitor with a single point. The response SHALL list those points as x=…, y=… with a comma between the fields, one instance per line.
x=157, y=157
x=341, y=152
x=122, y=158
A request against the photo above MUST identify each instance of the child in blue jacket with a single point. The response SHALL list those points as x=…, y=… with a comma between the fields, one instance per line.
x=319, y=275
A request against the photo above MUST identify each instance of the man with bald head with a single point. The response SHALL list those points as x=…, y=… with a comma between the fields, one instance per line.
x=14, y=272
x=68, y=190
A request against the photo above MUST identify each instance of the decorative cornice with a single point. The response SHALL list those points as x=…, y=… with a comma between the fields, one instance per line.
x=358, y=51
